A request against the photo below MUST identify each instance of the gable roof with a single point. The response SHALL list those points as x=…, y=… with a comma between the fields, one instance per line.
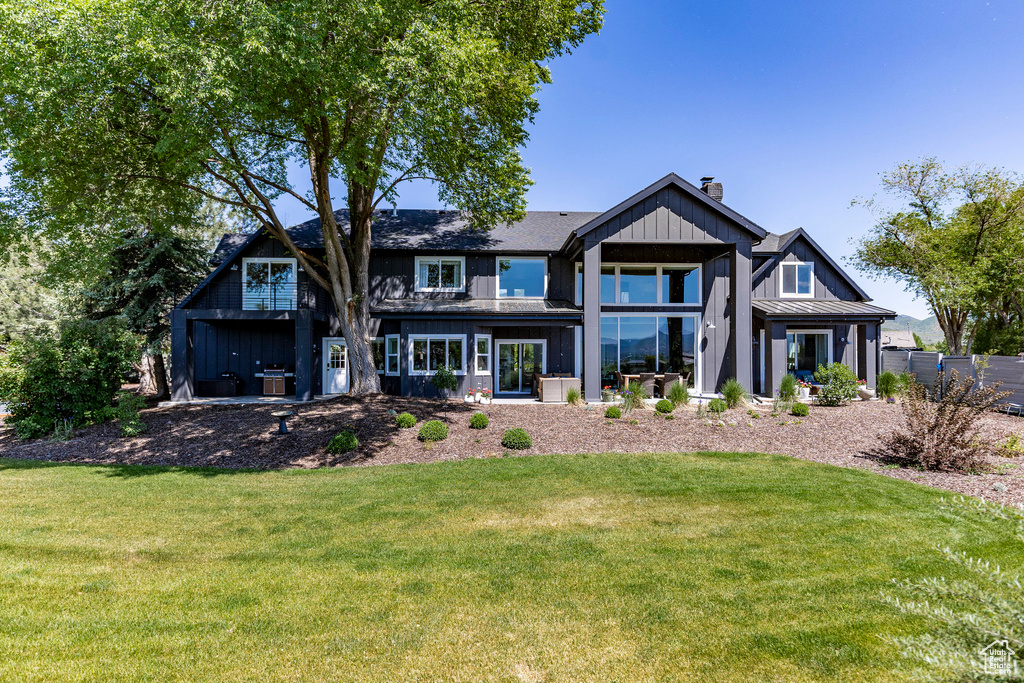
x=232, y=245
x=776, y=244
x=693, y=191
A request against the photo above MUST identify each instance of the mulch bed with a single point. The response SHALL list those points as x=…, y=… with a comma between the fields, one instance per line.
x=243, y=436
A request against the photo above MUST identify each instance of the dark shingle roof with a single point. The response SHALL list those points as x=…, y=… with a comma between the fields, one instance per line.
x=772, y=243
x=821, y=308
x=476, y=307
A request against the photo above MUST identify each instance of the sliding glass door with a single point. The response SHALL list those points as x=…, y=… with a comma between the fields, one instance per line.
x=806, y=350
x=648, y=343
x=518, y=360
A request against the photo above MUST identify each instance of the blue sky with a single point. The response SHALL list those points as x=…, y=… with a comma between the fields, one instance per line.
x=795, y=107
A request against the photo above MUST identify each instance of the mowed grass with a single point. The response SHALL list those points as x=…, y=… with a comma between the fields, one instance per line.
x=578, y=568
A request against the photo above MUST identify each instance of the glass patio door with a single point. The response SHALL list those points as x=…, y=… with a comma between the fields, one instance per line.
x=807, y=351
x=517, y=361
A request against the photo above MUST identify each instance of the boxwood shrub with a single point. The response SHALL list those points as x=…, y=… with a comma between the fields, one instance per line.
x=800, y=410
x=433, y=430
x=516, y=439
x=405, y=420
x=716, y=405
x=479, y=421
x=664, y=406
x=613, y=412
x=343, y=442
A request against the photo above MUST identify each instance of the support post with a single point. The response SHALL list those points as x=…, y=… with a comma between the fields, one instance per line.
x=742, y=318
x=304, y=355
x=774, y=356
x=592, y=321
x=181, y=356
x=871, y=353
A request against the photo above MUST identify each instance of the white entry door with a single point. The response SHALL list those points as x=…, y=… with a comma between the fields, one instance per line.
x=335, y=366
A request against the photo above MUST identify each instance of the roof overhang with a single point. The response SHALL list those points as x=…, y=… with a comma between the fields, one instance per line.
x=813, y=310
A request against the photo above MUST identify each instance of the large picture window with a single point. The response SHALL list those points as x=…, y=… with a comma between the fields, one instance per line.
x=428, y=353
x=269, y=284
x=647, y=284
x=648, y=343
x=522, y=278
x=440, y=274
x=806, y=350
x=797, y=279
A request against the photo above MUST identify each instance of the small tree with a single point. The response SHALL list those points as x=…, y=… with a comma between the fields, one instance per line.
x=445, y=381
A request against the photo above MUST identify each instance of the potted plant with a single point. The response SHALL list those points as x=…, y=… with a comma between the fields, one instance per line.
x=607, y=395
x=484, y=396
x=805, y=390
x=470, y=395
x=863, y=391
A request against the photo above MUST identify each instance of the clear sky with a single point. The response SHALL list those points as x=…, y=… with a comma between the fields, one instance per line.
x=795, y=107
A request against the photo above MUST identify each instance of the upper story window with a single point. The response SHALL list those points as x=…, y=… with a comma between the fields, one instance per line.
x=440, y=274
x=650, y=284
x=797, y=279
x=523, y=278
x=269, y=284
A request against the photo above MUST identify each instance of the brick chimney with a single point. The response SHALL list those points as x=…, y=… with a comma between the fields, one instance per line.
x=711, y=189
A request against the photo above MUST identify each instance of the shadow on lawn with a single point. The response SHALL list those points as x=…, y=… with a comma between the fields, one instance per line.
x=213, y=440
x=121, y=471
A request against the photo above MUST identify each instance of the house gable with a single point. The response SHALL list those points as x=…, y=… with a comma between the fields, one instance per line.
x=831, y=281
x=671, y=210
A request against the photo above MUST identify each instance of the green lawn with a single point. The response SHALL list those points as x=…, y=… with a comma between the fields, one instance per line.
x=604, y=568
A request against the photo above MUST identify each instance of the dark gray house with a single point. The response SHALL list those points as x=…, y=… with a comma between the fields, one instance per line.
x=670, y=279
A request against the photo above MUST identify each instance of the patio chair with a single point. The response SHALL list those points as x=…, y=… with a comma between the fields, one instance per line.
x=664, y=384
x=620, y=380
x=647, y=382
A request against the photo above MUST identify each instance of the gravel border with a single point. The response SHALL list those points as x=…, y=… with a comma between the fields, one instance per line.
x=242, y=436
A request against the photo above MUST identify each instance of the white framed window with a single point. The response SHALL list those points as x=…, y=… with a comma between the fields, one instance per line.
x=391, y=354
x=483, y=354
x=522, y=277
x=440, y=274
x=651, y=284
x=377, y=349
x=269, y=284
x=796, y=279
x=428, y=352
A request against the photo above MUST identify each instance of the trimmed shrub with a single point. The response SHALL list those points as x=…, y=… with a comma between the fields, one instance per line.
x=838, y=384
x=405, y=420
x=71, y=375
x=733, y=392
x=678, y=394
x=664, y=406
x=612, y=413
x=887, y=385
x=516, y=439
x=573, y=396
x=433, y=430
x=787, y=387
x=800, y=410
x=479, y=421
x=343, y=442
x=716, y=405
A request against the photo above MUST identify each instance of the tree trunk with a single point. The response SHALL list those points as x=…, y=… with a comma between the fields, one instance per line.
x=153, y=376
x=163, y=390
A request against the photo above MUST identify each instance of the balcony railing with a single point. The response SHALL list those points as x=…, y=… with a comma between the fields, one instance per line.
x=283, y=297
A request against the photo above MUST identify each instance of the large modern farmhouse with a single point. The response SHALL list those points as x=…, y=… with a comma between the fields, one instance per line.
x=669, y=280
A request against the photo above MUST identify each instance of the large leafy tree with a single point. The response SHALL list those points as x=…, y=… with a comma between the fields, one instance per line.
x=956, y=240
x=108, y=102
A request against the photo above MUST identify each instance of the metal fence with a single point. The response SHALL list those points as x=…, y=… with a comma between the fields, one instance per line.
x=987, y=370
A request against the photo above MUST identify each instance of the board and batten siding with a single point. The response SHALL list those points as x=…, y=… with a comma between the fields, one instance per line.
x=828, y=283
x=244, y=347
x=393, y=276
